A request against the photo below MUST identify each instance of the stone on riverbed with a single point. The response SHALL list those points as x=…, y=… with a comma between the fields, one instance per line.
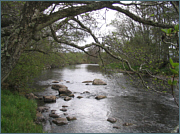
x=49, y=98
x=69, y=118
x=71, y=95
x=60, y=121
x=112, y=120
x=58, y=86
x=79, y=97
x=100, y=97
x=64, y=91
x=67, y=98
x=63, y=109
x=98, y=82
x=54, y=115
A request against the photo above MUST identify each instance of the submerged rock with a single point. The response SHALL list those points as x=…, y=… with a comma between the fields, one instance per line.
x=127, y=124
x=60, y=121
x=49, y=98
x=100, y=97
x=98, y=82
x=112, y=120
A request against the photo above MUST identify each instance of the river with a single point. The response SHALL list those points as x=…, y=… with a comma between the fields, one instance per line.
x=145, y=111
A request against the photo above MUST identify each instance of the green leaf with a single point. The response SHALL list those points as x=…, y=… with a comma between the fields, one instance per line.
x=169, y=82
x=176, y=27
x=164, y=91
x=175, y=65
x=164, y=30
x=169, y=31
x=174, y=71
x=171, y=61
x=152, y=15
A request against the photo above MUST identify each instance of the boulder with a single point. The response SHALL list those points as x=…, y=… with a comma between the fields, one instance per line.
x=69, y=118
x=57, y=86
x=54, y=115
x=64, y=91
x=98, y=82
x=49, y=98
x=112, y=120
x=67, y=98
x=60, y=121
x=100, y=97
x=42, y=109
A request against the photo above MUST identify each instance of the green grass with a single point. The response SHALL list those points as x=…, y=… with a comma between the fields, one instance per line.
x=18, y=114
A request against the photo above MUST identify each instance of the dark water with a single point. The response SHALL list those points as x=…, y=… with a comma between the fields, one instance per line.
x=147, y=111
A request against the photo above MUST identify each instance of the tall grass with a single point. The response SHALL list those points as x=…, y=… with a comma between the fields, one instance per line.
x=18, y=114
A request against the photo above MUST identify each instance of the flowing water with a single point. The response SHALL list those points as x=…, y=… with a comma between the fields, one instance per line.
x=147, y=112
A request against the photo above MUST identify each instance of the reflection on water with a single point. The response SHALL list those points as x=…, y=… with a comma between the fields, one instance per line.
x=147, y=112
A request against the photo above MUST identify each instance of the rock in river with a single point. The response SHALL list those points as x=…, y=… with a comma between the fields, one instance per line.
x=79, y=97
x=49, y=98
x=69, y=118
x=55, y=81
x=57, y=86
x=60, y=121
x=112, y=120
x=54, y=115
x=98, y=82
x=64, y=91
x=100, y=97
x=67, y=98
x=63, y=109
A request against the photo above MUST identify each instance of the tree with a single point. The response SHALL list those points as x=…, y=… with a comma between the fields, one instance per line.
x=23, y=22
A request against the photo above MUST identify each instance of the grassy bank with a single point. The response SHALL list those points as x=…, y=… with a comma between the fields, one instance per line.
x=18, y=114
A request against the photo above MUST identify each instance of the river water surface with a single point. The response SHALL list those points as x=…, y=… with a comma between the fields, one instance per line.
x=146, y=111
